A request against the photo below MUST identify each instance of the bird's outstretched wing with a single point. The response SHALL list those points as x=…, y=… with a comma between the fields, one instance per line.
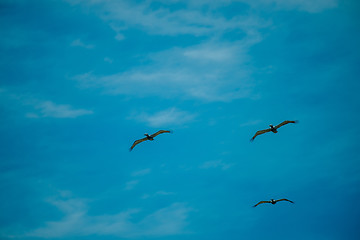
x=259, y=133
x=284, y=199
x=137, y=142
x=159, y=132
x=284, y=123
x=261, y=203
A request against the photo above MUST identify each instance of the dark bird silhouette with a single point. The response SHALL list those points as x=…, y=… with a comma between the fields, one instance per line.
x=272, y=201
x=272, y=129
x=148, y=137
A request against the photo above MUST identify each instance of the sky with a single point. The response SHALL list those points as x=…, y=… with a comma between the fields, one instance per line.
x=81, y=80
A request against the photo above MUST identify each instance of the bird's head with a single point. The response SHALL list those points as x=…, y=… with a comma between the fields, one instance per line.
x=270, y=125
x=146, y=134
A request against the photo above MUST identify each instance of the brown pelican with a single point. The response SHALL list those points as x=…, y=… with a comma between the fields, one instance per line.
x=272, y=201
x=272, y=129
x=148, y=137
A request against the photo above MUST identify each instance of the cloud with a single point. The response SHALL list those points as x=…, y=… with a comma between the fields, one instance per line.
x=76, y=222
x=313, y=6
x=50, y=109
x=108, y=60
x=163, y=20
x=216, y=164
x=211, y=71
x=42, y=109
x=131, y=184
x=141, y=172
x=301, y=5
x=168, y=117
x=158, y=193
x=79, y=43
x=250, y=123
x=214, y=70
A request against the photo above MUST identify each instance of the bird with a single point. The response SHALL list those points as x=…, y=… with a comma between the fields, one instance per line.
x=148, y=137
x=272, y=128
x=272, y=201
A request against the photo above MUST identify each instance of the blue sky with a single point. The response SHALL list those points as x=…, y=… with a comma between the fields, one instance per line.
x=81, y=80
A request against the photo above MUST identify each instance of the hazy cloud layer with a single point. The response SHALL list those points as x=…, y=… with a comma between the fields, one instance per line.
x=210, y=71
x=41, y=108
x=157, y=194
x=79, y=43
x=50, y=109
x=141, y=172
x=131, y=184
x=170, y=220
x=169, y=117
x=216, y=164
x=164, y=21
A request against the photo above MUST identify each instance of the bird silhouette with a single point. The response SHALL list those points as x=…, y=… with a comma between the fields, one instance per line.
x=272, y=129
x=148, y=137
x=272, y=201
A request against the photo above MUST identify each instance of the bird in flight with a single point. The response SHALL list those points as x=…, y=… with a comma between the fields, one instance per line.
x=272, y=201
x=272, y=129
x=148, y=137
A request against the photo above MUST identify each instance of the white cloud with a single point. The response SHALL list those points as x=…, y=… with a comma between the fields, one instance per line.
x=108, y=60
x=158, y=193
x=312, y=6
x=141, y=172
x=212, y=71
x=79, y=43
x=168, y=117
x=42, y=109
x=76, y=222
x=250, y=123
x=131, y=184
x=163, y=20
x=50, y=109
x=216, y=164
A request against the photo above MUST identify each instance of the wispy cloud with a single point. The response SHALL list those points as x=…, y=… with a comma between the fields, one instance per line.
x=302, y=5
x=211, y=71
x=250, y=123
x=76, y=222
x=79, y=43
x=141, y=172
x=42, y=109
x=163, y=20
x=50, y=109
x=108, y=60
x=168, y=117
x=158, y=193
x=216, y=164
x=307, y=6
x=131, y=184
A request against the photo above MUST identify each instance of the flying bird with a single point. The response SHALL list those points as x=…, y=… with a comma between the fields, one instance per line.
x=272, y=201
x=148, y=137
x=272, y=129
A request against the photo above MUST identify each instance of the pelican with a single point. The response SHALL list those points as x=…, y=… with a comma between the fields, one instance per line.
x=272, y=201
x=148, y=137
x=272, y=128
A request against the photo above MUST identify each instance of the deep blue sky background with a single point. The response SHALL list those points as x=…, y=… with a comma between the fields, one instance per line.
x=81, y=80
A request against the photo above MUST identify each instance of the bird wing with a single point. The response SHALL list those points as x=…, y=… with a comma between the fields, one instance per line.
x=284, y=123
x=284, y=199
x=259, y=133
x=137, y=142
x=261, y=203
x=159, y=132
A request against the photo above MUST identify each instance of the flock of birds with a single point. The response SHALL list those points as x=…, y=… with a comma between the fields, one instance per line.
x=272, y=128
